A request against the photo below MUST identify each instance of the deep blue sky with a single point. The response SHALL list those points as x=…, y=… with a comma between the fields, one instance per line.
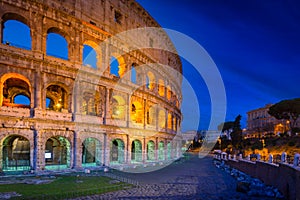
x=255, y=45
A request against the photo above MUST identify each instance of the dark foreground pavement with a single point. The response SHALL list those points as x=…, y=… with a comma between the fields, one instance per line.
x=192, y=178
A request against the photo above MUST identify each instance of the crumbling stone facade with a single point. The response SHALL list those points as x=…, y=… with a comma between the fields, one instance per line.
x=83, y=114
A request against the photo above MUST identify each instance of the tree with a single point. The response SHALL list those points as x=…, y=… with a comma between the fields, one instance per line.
x=288, y=110
x=233, y=131
x=236, y=134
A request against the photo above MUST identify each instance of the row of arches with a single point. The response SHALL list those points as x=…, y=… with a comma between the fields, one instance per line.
x=17, y=92
x=56, y=45
x=16, y=152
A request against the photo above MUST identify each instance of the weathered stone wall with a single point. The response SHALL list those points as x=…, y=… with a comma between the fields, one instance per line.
x=89, y=22
x=283, y=176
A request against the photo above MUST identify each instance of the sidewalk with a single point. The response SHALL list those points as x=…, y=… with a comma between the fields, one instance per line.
x=193, y=178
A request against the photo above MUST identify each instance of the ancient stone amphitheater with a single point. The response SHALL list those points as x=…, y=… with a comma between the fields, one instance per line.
x=76, y=92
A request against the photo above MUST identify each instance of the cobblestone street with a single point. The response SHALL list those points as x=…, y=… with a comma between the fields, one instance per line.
x=193, y=178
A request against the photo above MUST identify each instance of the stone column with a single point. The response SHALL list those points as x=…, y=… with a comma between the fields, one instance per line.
x=77, y=151
x=156, y=149
x=144, y=150
x=107, y=106
x=270, y=158
x=283, y=157
x=127, y=109
x=39, y=151
x=37, y=94
x=106, y=144
x=127, y=152
x=296, y=160
x=166, y=149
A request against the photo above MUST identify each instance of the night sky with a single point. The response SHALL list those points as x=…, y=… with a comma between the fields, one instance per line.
x=255, y=45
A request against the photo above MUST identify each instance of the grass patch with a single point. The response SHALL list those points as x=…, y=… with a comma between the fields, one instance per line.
x=65, y=187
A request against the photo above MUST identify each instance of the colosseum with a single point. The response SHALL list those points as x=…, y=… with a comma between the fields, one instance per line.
x=70, y=99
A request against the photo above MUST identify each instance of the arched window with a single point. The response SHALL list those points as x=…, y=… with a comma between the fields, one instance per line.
x=56, y=98
x=17, y=34
x=170, y=119
x=114, y=66
x=16, y=91
x=161, y=119
x=137, y=112
x=133, y=74
x=161, y=88
x=57, y=46
x=150, y=81
x=118, y=107
x=22, y=99
x=89, y=57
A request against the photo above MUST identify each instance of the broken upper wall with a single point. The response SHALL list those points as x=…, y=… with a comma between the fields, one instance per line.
x=116, y=16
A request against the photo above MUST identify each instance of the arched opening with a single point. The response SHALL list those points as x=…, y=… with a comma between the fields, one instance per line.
x=89, y=56
x=136, y=113
x=57, y=153
x=161, y=119
x=136, y=151
x=118, y=107
x=150, y=81
x=170, y=121
x=161, y=87
x=151, y=115
x=15, y=153
x=56, y=44
x=117, y=152
x=169, y=150
x=150, y=151
x=16, y=92
x=114, y=67
x=90, y=103
x=91, y=152
x=12, y=29
x=56, y=98
x=169, y=93
x=161, y=150
x=133, y=74
x=22, y=99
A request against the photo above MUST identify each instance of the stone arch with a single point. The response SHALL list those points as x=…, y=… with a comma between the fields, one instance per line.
x=170, y=120
x=117, y=152
x=58, y=152
x=161, y=118
x=134, y=73
x=65, y=41
x=90, y=103
x=93, y=57
x=161, y=150
x=150, y=80
x=169, y=150
x=150, y=150
x=151, y=114
x=118, y=107
x=136, y=151
x=161, y=87
x=169, y=93
x=15, y=151
x=136, y=112
x=19, y=84
x=91, y=152
x=57, y=97
x=26, y=43
x=120, y=68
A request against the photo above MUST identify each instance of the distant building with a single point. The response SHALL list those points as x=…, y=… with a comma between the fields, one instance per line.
x=260, y=123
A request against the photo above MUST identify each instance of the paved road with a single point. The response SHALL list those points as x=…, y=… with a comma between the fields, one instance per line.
x=192, y=179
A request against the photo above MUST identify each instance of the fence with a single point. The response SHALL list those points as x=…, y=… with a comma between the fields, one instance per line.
x=284, y=175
